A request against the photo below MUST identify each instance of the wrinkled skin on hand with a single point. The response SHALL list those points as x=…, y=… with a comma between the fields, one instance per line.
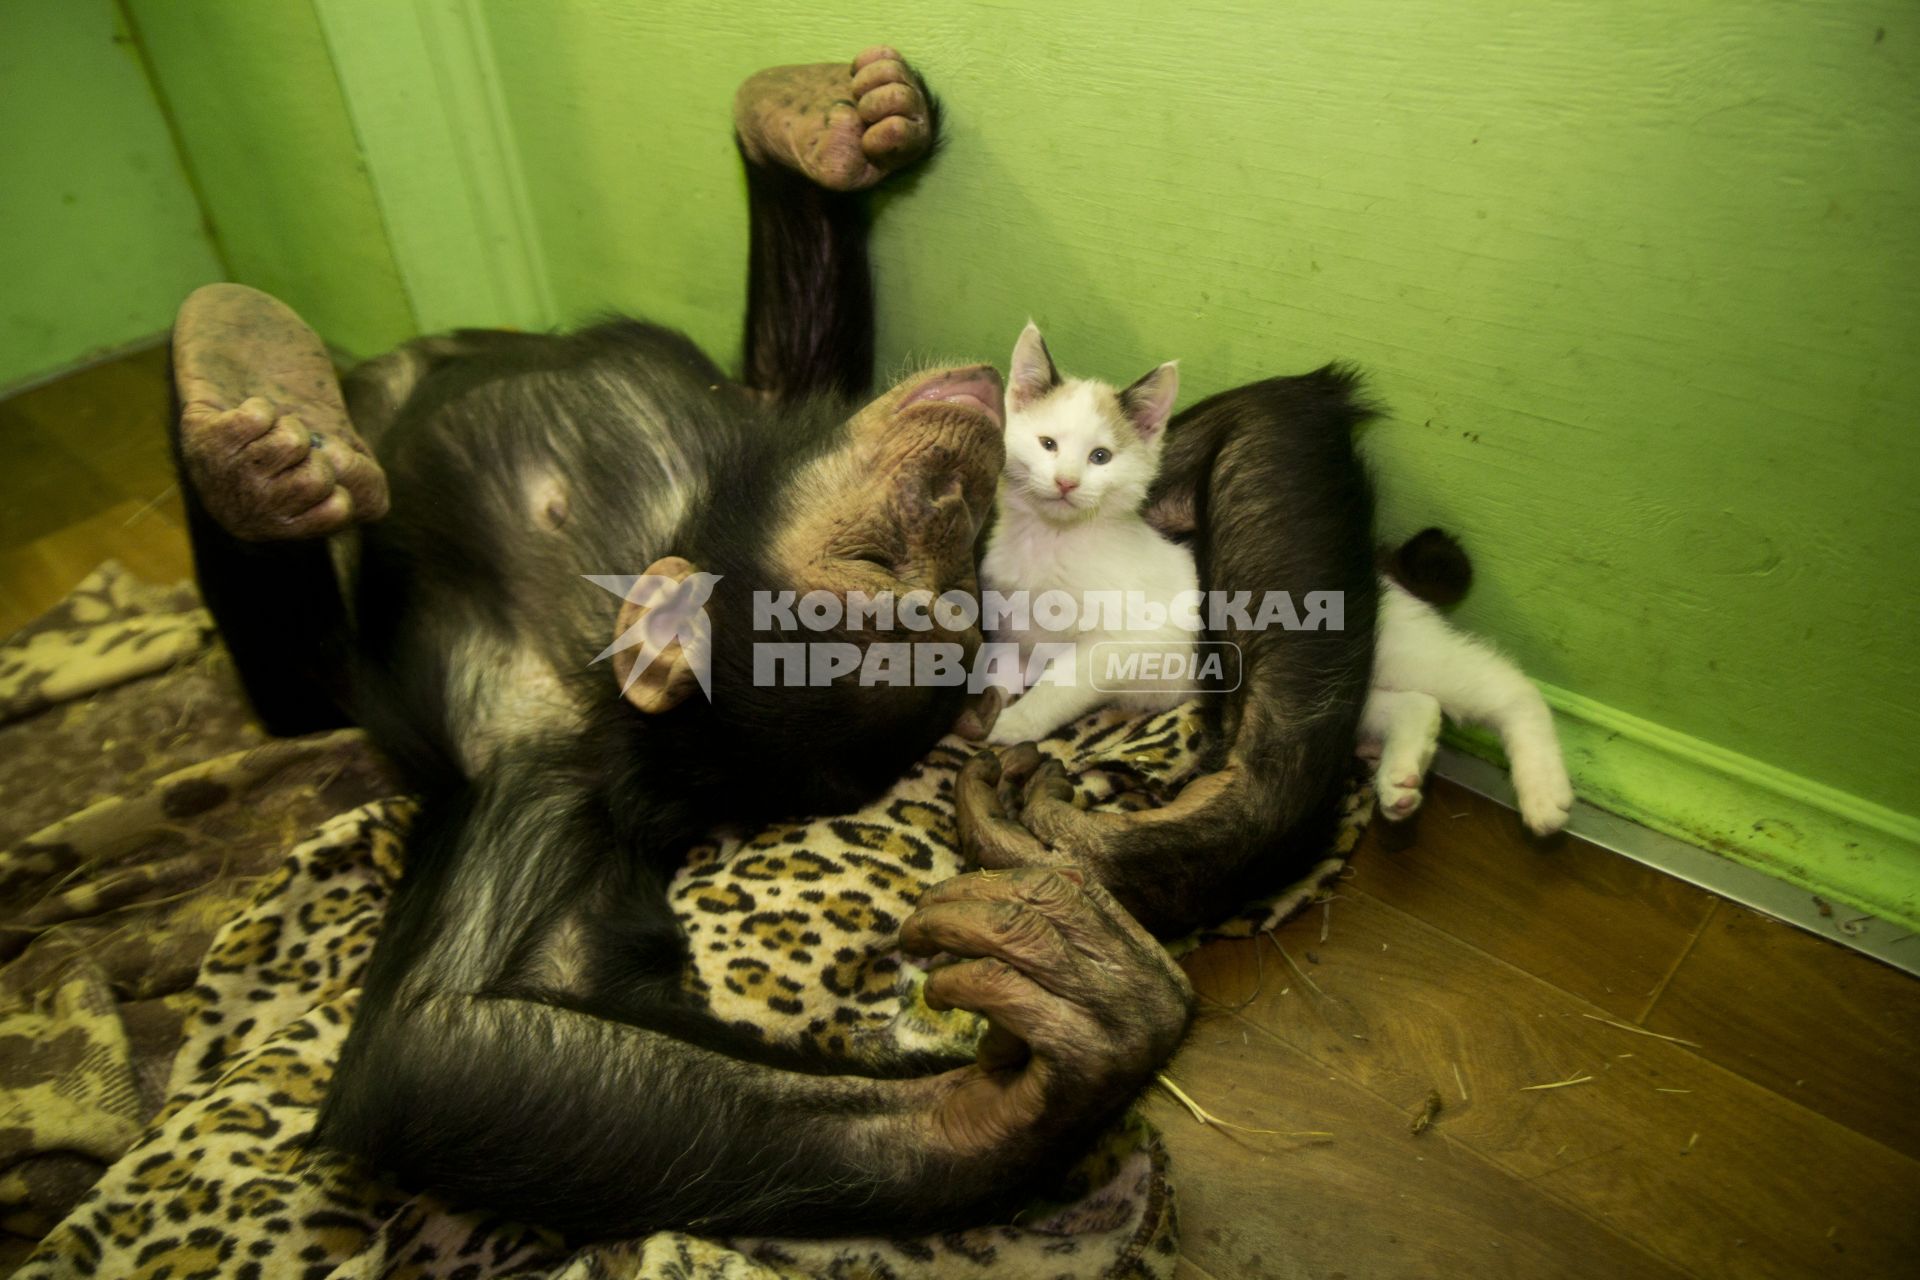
x=1082, y=1004
x=264, y=435
x=1015, y=808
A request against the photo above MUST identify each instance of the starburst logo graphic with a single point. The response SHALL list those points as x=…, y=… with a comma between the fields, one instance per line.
x=672, y=610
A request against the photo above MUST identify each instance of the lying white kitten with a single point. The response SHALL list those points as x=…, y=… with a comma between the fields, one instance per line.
x=1423, y=666
x=1080, y=459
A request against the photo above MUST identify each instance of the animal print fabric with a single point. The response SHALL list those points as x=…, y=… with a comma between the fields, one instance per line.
x=187, y=907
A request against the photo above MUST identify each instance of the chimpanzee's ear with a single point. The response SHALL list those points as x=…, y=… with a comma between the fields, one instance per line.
x=1032, y=374
x=1148, y=403
x=663, y=642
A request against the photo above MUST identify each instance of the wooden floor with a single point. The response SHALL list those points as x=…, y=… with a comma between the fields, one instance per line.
x=85, y=476
x=1735, y=1097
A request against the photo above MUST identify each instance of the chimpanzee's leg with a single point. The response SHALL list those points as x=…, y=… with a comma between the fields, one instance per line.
x=269, y=465
x=275, y=455
x=814, y=138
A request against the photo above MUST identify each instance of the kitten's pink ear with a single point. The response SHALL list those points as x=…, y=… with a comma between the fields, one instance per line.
x=1149, y=402
x=1033, y=374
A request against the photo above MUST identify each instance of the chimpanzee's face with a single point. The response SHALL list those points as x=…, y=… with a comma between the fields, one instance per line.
x=899, y=506
x=892, y=506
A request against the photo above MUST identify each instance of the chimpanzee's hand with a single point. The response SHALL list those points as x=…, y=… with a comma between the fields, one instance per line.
x=1083, y=1005
x=1015, y=808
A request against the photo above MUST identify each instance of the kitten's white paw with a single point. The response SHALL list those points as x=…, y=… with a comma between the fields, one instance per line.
x=1011, y=729
x=1397, y=797
x=1545, y=793
x=1407, y=754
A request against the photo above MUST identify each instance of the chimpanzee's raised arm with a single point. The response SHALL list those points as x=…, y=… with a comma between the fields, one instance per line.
x=1267, y=479
x=809, y=323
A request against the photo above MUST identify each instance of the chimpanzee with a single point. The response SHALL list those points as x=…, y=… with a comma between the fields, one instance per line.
x=522, y=1041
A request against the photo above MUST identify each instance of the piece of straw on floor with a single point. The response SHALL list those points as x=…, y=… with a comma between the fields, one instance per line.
x=1204, y=1116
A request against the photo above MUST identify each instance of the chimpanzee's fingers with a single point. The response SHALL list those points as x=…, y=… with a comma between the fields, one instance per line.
x=1008, y=999
x=875, y=53
x=225, y=432
x=1114, y=970
x=975, y=792
x=356, y=472
x=877, y=73
x=987, y=834
x=885, y=100
x=894, y=141
x=331, y=513
x=1017, y=764
x=304, y=484
x=283, y=446
x=977, y=718
x=1086, y=915
x=1079, y=911
x=1046, y=805
x=1008, y=930
x=1139, y=940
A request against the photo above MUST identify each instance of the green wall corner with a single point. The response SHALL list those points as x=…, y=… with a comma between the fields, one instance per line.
x=102, y=234
x=259, y=111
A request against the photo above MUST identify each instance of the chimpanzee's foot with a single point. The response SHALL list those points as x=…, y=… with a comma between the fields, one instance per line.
x=844, y=127
x=264, y=435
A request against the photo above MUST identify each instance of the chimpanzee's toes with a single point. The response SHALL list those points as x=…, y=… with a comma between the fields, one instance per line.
x=893, y=105
x=264, y=435
x=845, y=127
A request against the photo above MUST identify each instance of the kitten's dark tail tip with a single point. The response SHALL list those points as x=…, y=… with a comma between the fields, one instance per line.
x=1432, y=566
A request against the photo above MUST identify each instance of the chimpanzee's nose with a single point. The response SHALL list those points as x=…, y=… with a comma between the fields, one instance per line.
x=1065, y=485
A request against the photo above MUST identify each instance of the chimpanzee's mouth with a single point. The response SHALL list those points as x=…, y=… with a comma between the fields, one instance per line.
x=976, y=389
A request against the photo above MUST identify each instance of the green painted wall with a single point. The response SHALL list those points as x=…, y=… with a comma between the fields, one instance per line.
x=1638, y=282
x=268, y=140
x=99, y=234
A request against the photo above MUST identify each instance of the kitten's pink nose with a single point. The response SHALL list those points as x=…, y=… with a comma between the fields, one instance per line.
x=1065, y=486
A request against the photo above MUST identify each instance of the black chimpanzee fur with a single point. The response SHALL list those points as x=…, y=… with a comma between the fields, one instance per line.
x=522, y=1041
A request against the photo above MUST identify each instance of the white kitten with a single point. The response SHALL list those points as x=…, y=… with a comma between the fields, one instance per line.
x=1422, y=666
x=1080, y=457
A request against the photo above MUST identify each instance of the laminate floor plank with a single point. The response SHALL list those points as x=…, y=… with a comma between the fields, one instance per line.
x=1827, y=1027
x=1589, y=921
x=1706, y=1169
x=1371, y=1201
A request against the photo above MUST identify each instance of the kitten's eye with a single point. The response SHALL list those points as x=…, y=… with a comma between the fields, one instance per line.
x=1100, y=457
x=1046, y=442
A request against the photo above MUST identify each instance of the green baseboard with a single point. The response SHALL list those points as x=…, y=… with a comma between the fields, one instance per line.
x=1838, y=846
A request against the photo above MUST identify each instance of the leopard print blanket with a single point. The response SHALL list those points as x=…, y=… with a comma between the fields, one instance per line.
x=188, y=907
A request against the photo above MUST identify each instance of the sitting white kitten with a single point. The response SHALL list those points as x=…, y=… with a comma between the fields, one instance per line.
x=1080, y=457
